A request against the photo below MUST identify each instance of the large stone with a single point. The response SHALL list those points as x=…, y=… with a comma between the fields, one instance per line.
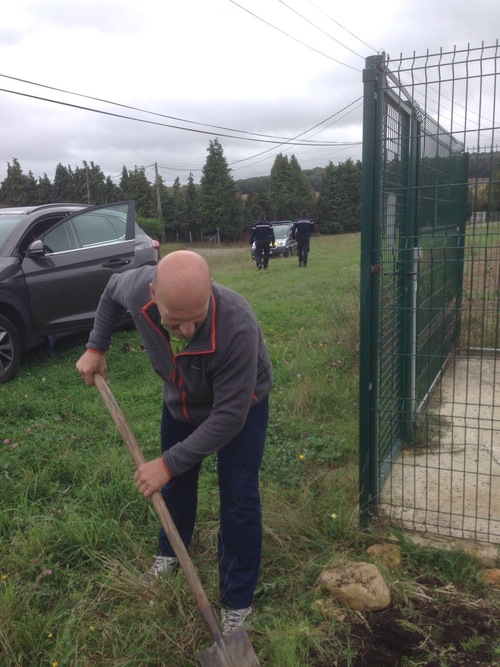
x=359, y=586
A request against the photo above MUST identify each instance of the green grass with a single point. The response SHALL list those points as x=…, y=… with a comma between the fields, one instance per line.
x=75, y=534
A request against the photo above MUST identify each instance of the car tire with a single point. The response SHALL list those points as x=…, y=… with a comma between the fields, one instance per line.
x=286, y=253
x=10, y=349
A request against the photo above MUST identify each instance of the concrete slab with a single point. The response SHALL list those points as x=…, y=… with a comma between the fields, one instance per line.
x=450, y=487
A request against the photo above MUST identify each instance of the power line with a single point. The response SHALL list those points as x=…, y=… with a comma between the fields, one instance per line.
x=157, y=123
x=289, y=143
x=320, y=29
x=294, y=38
x=341, y=26
x=132, y=108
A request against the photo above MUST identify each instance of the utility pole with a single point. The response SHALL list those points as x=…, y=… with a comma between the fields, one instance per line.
x=158, y=202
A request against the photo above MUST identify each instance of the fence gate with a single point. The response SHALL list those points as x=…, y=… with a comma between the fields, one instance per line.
x=430, y=271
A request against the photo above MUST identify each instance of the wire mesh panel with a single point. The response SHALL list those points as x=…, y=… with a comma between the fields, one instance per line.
x=430, y=271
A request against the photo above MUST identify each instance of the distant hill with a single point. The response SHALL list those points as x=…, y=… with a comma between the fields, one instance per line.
x=249, y=185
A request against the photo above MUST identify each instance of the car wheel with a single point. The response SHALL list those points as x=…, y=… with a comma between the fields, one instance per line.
x=286, y=253
x=10, y=350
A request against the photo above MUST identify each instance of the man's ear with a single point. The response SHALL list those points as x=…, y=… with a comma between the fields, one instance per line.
x=152, y=292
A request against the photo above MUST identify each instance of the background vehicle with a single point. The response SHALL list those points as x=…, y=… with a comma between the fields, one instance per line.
x=55, y=261
x=285, y=245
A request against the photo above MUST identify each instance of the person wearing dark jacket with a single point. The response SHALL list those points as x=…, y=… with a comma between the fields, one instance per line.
x=204, y=342
x=263, y=235
x=301, y=232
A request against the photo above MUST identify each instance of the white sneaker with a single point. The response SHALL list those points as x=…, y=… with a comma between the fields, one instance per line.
x=160, y=567
x=234, y=618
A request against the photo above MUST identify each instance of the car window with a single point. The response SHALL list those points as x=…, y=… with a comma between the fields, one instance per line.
x=59, y=239
x=7, y=224
x=96, y=228
x=281, y=231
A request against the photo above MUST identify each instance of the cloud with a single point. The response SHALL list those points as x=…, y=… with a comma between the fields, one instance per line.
x=278, y=69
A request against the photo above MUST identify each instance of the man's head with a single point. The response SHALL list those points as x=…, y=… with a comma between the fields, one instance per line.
x=181, y=290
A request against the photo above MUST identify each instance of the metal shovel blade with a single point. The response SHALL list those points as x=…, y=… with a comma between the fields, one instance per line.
x=238, y=652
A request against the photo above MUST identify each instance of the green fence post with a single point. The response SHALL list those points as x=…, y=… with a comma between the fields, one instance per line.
x=369, y=301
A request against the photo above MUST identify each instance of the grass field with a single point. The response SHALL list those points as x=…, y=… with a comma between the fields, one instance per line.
x=75, y=533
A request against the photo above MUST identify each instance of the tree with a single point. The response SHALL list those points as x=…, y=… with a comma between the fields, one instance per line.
x=191, y=207
x=289, y=190
x=111, y=192
x=16, y=188
x=62, y=186
x=44, y=195
x=135, y=185
x=339, y=203
x=219, y=208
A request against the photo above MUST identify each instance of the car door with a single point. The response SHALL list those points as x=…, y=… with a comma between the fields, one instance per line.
x=68, y=267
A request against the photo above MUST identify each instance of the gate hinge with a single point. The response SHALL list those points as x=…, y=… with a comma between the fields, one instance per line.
x=376, y=268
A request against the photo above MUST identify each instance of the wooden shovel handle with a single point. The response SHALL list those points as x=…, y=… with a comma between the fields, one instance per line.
x=166, y=520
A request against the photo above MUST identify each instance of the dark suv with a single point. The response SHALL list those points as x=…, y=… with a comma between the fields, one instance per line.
x=55, y=261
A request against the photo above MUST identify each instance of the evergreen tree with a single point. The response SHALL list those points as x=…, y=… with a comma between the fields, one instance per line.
x=325, y=203
x=178, y=205
x=278, y=188
x=62, y=186
x=347, y=204
x=96, y=182
x=289, y=190
x=44, y=195
x=191, y=209
x=111, y=191
x=219, y=208
x=14, y=190
x=339, y=203
x=301, y=193
x=31, y=189
x=136, y=186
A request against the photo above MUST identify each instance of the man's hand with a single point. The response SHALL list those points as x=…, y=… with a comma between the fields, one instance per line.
x=151, y=476
x=90, y=363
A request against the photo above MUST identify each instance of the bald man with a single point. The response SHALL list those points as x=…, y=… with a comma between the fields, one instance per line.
x=205, y=343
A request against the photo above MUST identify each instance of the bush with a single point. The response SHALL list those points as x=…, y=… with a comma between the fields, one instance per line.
x=152, y=226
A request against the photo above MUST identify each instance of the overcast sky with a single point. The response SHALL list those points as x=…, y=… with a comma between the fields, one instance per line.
x=251, y=69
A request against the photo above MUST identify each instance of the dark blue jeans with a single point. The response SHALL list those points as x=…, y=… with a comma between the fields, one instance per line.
x=240, y=530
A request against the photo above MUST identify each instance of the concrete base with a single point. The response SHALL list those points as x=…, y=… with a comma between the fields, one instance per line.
x=450, y=487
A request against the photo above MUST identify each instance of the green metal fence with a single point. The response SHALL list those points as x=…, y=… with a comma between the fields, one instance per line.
x=429, y=432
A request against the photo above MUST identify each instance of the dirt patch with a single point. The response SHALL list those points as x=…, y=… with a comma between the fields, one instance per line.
x=431, y=631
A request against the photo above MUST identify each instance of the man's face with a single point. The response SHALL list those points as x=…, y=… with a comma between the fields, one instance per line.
x=181, y=322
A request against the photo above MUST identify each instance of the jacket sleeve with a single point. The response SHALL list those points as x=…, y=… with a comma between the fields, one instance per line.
x=118, y=298
x=273, y=237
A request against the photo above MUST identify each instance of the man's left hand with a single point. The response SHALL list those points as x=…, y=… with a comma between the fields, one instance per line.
x=151, y=476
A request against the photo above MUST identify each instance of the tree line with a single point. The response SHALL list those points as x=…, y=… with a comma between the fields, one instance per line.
x=218, y=206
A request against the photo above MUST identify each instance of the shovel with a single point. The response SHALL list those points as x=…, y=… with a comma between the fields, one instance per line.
x=231, y=650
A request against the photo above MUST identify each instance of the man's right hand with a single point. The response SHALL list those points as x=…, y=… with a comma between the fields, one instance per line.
x=92, y=362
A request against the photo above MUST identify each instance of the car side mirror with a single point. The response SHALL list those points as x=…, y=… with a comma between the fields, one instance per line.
x=36, y=249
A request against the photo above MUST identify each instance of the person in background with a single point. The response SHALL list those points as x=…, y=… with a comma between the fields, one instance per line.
x=205, y=343
x=301, y=232
x=263, y=235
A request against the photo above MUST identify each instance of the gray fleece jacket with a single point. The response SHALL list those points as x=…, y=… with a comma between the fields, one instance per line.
x=213, y=382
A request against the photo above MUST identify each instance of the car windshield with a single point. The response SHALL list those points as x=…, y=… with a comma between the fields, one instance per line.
x=281, y=231
x=7, y=224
